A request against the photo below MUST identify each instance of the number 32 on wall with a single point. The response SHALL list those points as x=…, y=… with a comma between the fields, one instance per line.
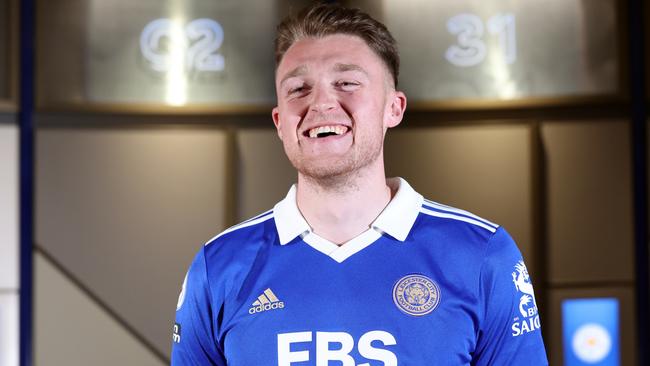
x=471, y=49
x=162, y=40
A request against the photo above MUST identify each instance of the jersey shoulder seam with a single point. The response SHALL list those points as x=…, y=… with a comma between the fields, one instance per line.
x=435, y=209
x=248, y=223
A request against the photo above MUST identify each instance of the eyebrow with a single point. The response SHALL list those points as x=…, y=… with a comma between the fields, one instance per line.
x=349, y=67
x=339, y=67
x=300, y=70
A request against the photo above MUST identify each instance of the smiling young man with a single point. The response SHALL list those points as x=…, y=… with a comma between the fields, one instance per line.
x=352, y=268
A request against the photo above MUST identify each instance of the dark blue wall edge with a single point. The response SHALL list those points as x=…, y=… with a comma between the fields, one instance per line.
x=25, y=120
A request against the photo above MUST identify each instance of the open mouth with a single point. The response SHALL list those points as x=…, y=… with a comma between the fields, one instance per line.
x=325, y=131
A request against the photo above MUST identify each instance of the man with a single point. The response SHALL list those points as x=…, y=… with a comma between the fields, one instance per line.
x=351, y=268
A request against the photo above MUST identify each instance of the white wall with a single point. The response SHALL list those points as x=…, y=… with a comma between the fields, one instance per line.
x=9, y=257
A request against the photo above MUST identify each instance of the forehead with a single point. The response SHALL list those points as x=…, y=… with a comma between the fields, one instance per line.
x=309, y=54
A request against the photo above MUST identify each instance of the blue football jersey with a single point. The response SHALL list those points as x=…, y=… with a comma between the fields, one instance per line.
x=426, y=284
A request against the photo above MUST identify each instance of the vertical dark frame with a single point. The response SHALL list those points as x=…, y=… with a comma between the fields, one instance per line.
x=638, y=115
x=539, y=224
x=26, y=216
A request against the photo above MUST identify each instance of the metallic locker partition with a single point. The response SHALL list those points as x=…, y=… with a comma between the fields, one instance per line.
x=73, y=330
x=589, y=223
x=589, y=213
x=264, y=172
x=122, y=211
x=486, y=170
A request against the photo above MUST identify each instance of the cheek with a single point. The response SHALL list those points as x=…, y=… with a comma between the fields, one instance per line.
x=369, y=113
x=369, y=103
x=289, y=127
x=293, y=111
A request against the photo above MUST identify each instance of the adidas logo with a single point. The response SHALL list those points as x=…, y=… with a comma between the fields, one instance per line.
x=266, y=301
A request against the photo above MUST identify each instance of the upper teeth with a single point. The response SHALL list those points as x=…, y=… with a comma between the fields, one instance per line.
x=339, y=130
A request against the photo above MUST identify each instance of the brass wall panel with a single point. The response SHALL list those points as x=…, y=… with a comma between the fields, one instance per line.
x=125, y=210
x=589, y=204
x=265, y=173
x=504, y=50
x=486, y=170
x=60, y=51
x=5, y=49
x=552, y=322
x=115, y=53
x=157, y=52
x=9, y=208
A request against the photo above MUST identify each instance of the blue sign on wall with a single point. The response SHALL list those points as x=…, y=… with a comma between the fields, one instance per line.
x=590, y=332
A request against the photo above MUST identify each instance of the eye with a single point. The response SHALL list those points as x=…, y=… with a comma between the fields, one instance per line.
x=347, y=85
x=297, y=90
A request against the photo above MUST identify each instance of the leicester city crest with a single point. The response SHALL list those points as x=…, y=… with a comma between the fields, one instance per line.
x=416, y=294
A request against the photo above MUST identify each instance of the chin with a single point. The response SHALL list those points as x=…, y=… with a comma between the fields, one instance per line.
x=322, y=171
x=338, y=172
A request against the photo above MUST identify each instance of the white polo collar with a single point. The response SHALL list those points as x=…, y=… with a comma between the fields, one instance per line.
x=396, y=220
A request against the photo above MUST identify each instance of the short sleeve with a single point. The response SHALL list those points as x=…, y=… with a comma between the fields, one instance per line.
x=510, y=328
x=193, y=340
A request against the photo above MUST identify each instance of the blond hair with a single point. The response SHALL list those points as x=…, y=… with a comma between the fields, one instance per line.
x=323, y=20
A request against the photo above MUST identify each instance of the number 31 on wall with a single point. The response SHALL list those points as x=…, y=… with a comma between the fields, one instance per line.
x=471, y=49
x=163, y=40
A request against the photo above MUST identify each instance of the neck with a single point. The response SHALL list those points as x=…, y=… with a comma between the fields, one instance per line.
x=340, y=212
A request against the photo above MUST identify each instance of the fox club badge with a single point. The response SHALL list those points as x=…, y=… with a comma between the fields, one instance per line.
x=416, y=295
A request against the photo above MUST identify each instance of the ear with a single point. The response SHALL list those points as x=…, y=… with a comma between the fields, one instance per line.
x=275, y=114
x=396, y=109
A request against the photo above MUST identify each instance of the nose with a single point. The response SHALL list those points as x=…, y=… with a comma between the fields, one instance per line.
x=323, y=100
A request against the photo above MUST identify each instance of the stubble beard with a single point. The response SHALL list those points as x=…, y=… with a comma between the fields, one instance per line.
x=338, y=174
